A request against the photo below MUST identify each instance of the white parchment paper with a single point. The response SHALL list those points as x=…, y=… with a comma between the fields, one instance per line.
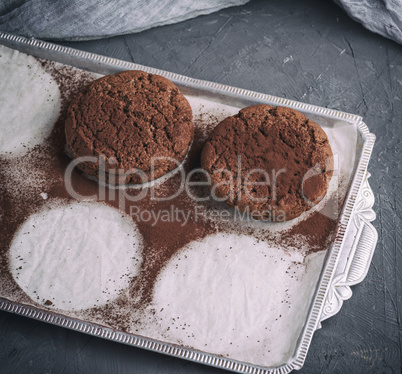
x=229, y=294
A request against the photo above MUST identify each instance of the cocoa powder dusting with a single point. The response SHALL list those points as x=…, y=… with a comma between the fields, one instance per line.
x=160, y=241
x=317, y=230
x=279, y=145
x=130, y=117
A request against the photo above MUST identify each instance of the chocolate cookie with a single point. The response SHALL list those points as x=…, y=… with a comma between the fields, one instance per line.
x=136, y=126
x=272, y=163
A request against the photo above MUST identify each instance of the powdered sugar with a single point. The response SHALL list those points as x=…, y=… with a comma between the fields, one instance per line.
x=236, y=296
x=75, y=256
x=30, y=103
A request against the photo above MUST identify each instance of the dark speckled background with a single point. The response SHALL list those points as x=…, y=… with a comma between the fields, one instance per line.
x=303, y=50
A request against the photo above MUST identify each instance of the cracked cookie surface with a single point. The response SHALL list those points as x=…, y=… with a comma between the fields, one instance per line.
x=140, y=123
x=272, y=163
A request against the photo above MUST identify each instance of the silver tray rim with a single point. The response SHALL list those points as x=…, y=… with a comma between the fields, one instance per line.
x=333, y=282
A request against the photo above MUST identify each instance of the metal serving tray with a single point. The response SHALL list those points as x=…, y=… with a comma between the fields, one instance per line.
x=348, y=257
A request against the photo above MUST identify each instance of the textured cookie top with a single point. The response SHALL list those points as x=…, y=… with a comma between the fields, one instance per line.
x=131, y=117
x=273, y=162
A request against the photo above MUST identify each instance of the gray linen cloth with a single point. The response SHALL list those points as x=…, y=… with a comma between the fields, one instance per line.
x=91, y=19
x=381, y=16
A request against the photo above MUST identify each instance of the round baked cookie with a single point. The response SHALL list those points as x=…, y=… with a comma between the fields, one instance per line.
x=136, y=126
x=271, y=163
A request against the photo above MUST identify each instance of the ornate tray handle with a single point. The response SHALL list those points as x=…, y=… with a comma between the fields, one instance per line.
x=360, y=255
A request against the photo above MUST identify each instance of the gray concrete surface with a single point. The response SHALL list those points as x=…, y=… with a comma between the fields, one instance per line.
x=304, y=50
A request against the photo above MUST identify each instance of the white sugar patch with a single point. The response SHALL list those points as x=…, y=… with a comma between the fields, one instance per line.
x=76, y=256
x=235, y=296
x=29, y=102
